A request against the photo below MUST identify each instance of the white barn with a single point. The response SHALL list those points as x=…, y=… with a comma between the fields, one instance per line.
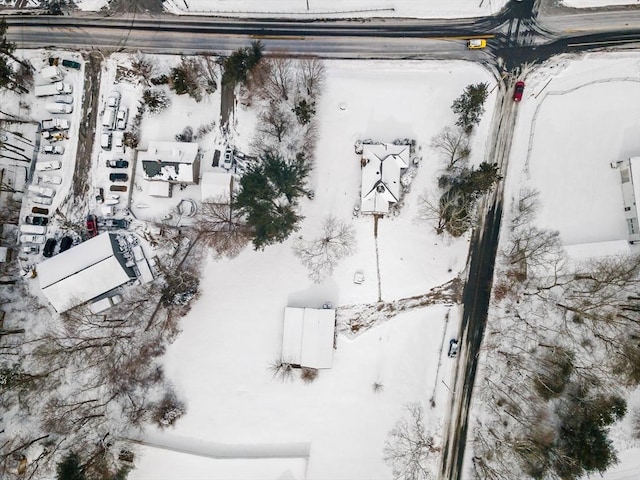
x=84, y=272
x=307, y=338
x=630, y=179
x=382, y=165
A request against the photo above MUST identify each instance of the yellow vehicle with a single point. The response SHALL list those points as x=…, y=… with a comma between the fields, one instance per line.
x=476, y=43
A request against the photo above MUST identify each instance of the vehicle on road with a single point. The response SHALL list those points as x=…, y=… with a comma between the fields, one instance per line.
x=36, y=220
x=46, y=166
x=37, y=239
x=65, y=243
x=49, y=246
x=92, y=226
x=117, y=163
x=53, y=149
x=40, y=211
x=118, y=177
x=476, y=43
x=42, y=200
x=517, y=92
x=453, y=348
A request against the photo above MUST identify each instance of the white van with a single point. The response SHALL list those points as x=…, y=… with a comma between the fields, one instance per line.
x=109, y=118
x=105, y=141
x=44, y=191
x=33, y=229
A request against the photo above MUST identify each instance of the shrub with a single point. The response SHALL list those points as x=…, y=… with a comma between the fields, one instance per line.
x=308, y=375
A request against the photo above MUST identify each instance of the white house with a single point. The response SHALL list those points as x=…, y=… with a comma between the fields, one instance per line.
x=630, y=180
x=382, y=165
x=84, y=272
x=307, y=338
x=173, y=162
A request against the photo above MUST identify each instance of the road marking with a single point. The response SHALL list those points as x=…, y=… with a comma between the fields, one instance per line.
x=601, y=43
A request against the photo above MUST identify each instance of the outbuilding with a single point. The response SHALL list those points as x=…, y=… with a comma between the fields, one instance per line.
x=308, y=337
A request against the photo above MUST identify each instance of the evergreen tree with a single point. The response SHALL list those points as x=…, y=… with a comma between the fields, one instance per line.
x=470, y=106
x=304, y=111
x=70, y=468
x=268, y=197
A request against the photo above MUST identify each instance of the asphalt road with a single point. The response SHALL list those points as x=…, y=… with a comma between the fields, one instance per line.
x=524, y=32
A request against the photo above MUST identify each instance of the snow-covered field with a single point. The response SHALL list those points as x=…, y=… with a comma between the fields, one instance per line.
x=220, y=362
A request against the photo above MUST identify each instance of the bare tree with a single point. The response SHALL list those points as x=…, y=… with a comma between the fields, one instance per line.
x=453, y=144
x=321, y=255
x=281, y=78
x=221, y=228
x=210, y=70
x=452, y=212
x=275, y=121
x=533, y=248
x=311, y=76
x=409, y=447
x=143, y=67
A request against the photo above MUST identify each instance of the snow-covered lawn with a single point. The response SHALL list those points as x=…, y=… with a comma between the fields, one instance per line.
x=598, y=3
x=220, y=363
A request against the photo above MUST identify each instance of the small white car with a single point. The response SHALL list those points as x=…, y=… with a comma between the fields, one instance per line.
x=46, y=166
x=43, y=200
x=38, y=239
x=227, y=163
x=52, y=179
x=123, y=115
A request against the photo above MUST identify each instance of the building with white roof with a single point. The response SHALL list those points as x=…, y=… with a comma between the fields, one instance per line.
x=173, y=162
x=215, y=186
x=84, y=272
x=382, y=164
x=630, y=178
x=307, y=338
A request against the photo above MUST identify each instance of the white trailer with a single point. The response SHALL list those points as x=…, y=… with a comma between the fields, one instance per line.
x=46, y=166
x=52, y=89
x=109, y=118
x=54, y=107
x=51, y=74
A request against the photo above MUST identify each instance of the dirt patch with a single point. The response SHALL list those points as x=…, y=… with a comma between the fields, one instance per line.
x=87, y=128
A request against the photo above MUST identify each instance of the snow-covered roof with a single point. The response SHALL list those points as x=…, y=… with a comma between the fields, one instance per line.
x=307, y=339
x=634, y=164
x=159, y=189
x=382, y=164
x=170, y=161
x=83, y=272
x=215, y=185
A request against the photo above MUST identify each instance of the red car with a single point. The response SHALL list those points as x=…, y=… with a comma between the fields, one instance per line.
x=517, y=93
x=92, y=226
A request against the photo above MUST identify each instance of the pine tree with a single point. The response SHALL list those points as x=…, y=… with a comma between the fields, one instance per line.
x=470, y=106
x=70, y=468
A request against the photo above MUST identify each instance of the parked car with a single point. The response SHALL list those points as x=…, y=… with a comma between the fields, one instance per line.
x=517, y=93
x=92, y=226
x=123, y=115
x=117, y=163
x=68, y=99
x=476, y=43
x=228, y=158
x=49, y=246
x=99, y=195
x=40, y=211
x=118, y=188
x=30, y=249
x=116, y=223
x=105, y=141
x=42, y=200
x=70, y=64
x=38, y=239
x=118, y=177
x=453, y=348
x=53, y=149
x=40, y=190
x=65, y=243
x=114, y=99
x=36, y=220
